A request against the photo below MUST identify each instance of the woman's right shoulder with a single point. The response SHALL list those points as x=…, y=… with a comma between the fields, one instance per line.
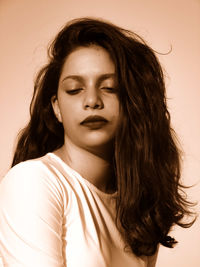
x=29, y=168
x=32, y=179
x=35, y=173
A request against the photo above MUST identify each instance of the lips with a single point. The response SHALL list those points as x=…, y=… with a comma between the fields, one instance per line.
x=94, y=122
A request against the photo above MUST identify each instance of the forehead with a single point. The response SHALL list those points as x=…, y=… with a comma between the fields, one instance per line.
x=88, y=60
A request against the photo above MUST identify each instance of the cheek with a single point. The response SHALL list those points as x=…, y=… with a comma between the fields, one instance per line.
x=115, y=107
x=117, y=112
x=67, y=115
x=68, y=109
x=115, y=117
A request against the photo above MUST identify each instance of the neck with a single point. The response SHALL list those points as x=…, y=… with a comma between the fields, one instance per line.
x=95, y=165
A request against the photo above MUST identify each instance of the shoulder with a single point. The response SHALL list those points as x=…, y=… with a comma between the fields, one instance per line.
x=31, y=178
x=25, y=172
x=26, y=167
x=36, y=169
x=31, y=214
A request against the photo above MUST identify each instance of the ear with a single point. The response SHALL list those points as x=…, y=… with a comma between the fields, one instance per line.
x=56, y=108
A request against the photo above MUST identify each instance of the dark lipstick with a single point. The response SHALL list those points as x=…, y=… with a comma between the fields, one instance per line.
x=94, y=122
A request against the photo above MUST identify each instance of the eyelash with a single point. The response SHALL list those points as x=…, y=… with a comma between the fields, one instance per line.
x=74, y=91
x=77, y=90
x=109, y=89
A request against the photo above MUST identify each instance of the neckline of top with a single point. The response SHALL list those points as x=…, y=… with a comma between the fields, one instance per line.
x=78, y=175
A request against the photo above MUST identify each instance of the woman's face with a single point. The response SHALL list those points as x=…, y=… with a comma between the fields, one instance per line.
x=87, y=101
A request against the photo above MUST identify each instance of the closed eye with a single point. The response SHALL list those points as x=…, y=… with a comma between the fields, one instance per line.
x=109, y=89
x=74, y=91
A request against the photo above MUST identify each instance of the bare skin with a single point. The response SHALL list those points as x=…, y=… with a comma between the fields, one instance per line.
x=96, y=169
x=87, y=88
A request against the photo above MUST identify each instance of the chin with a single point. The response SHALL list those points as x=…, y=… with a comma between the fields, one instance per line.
x=98, y=140
x=97, y=145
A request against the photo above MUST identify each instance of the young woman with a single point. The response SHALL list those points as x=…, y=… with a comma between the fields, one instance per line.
x=96, y=173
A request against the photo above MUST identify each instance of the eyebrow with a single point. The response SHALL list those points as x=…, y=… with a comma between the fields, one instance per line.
x=80, y=78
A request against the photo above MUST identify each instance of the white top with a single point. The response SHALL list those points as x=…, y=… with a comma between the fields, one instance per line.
x=50, y=216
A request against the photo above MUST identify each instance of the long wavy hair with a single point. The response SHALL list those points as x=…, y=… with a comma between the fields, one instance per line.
x=150, y=196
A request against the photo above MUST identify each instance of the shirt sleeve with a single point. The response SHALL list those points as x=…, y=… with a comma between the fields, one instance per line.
x=31, y=214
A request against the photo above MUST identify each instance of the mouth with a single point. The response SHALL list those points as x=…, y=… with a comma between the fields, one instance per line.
x=94, y=122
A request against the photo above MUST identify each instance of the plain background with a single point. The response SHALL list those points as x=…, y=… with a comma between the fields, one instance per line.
x=27, y=26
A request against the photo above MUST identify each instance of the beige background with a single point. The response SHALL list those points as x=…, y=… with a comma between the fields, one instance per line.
x=26, y=27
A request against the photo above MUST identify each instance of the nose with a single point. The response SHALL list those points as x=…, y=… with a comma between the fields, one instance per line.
x=93, y=100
